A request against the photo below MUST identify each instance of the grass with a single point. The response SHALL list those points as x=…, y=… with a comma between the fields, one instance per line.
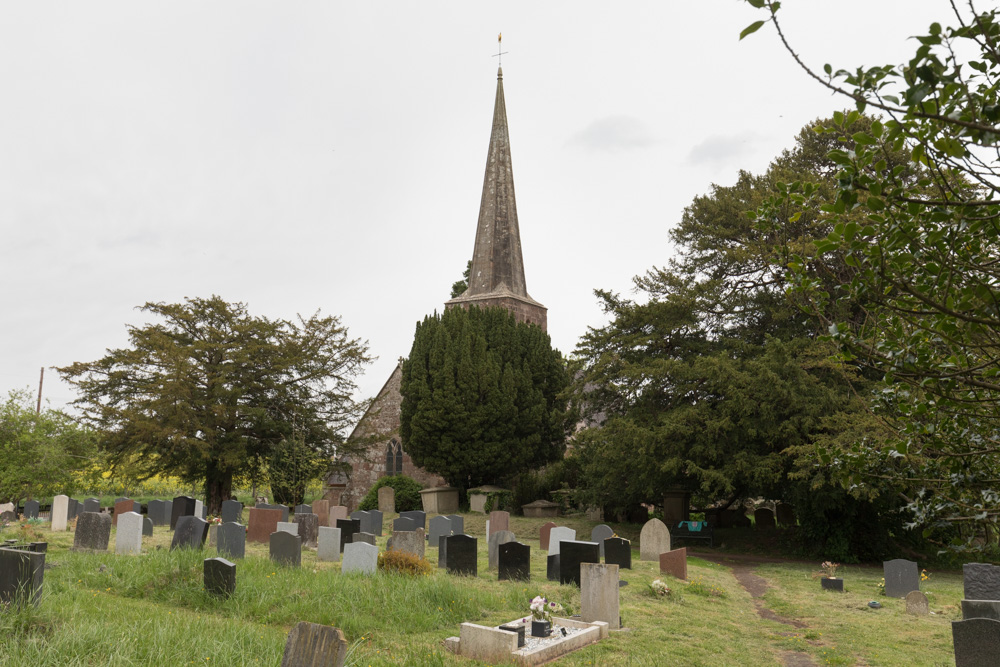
x=103, y=609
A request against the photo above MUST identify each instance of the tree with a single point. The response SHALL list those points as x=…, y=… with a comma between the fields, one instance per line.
x=40, y=452
x=294, y=464
x=481, y=397
x=460, y=286
x=922, y=262
x=209, y=392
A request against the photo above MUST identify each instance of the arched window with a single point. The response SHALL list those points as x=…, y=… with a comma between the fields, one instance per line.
x=393, y=458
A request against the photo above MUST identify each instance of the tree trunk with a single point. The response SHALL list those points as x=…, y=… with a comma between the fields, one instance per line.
x=218, y=487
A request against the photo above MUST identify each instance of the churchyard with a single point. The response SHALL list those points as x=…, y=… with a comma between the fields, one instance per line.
x=151, y=608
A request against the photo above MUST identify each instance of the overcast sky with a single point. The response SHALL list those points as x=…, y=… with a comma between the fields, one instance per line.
x=330, y=155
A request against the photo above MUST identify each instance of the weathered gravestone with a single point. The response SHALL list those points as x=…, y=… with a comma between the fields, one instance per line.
x=513, y=561
x=493, y=546
x=438, y=526
x=60, y=512
x=337, y=512
x=288, y=527
x=409, y=541
x=348, y=527
x=93, y=531
x=281, y=508
x=461, y=554
x=261, y=524
x=981, y=581
x=220, y=577
x=543, y=535
x=189, y=533
x=180, y=506
x=303, y=509
x=147, y=527
x=404, y=523
x=364, y=537
x=387, y=500
x=785, y=514
x=232, y=511
x=91, y=505
x=231, y=540
x=321, y=508
x=443, y=550
x=328, y=544
x=901, y=577
x=457, y=523
x=498, y=521
x=286, y=549
x=981, y=609
x=557, y=535
x=601, y=533
x=213, y=534
x=418, y=516
x=618, y=551
x=21, y=576
x=308, y=528
x=599, y=599
x=916, y=604
x=571, y=555
x=128, y=537
x=675, y=563
x=654, y=539
x=312, y=645
x=763, y=519
x=977, y=642
x=31, y=509
x=76, y=508
x=360, y=557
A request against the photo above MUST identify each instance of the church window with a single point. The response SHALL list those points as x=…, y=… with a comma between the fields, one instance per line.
x=393, y=458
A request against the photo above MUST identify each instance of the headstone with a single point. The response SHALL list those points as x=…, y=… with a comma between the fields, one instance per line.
x=328, y=544
x=147, y=527
x=374, y=522
x=785, y=514
x=418, y=516
x=122, y=506
x=347, y=529
x=498, y=521
x=312, y=645
x=675, y=563
x=410, y=541
x=337, y=512
x=220, y=577
x=387, y=500
x=91, y=505
x=901, y=577
x=981, y=581
x=21, y=576
x=232, y=511
x=601, y=533
x=552, y=568
x=916, y=604
x=977, y=642
x=557, y=535
x=571, y=555
x=404, y=523
x=199, y=509
x=154, y=510
x=281, y=508
x=308, y=528
x=286, y=548
x=60, y=512
x=763, y=519
x=8, y=508
x=513, y=561
x=618, y=551
x=93, y=531
x=231, y=540
x=31, y=509
x=288, y=527
x=438, y=526
x=76, y=508
x=493, y=546
x=180, y=506
x=303, y=509
x=189, y=533
x=543, y=535
x=8, y=515
x=360, y=557
x=654, y=539
x=261, y=524
x=461, y=554
x=599, y=594
x=213, y=534
x=364, y=537
x=981, y=609
x=443, y=550
x=128, y=537
x=457, y=523
x=321, y=508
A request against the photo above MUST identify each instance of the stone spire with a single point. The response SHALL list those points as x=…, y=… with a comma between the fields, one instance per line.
x=497, y=274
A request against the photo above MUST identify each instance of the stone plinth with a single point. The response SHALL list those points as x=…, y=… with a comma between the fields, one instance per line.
x=540, y=508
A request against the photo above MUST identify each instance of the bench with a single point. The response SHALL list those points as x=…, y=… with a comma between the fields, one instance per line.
x=683, y=532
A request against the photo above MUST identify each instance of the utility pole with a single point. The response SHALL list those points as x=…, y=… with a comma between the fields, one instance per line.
x=41, y=377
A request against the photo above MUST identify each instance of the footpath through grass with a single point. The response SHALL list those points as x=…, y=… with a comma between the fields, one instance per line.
x=103, y=609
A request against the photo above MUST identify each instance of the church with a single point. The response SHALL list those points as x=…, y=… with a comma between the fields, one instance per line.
x=496, y=278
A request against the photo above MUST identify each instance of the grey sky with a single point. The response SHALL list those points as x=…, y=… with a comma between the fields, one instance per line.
x=329, y=155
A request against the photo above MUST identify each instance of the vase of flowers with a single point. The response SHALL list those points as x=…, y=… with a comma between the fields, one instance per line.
x=831, y=582
x=541, y=616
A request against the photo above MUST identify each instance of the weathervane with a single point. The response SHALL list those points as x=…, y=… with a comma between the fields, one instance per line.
x=499, y=53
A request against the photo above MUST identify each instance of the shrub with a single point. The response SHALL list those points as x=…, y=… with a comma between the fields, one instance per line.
x=407, y=494
x=404, y=563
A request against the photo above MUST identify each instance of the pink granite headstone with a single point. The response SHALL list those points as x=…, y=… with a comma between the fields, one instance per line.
x=337, y=512
x=499, y=521
x=543, y=535
x=321, y=508
x=675, y=563
x=261, y=524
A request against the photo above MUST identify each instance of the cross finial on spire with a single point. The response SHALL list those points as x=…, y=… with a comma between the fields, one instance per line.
x=498, y=55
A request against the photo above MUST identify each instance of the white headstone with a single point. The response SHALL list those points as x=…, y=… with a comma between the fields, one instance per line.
x=360, y=557
x=560, y=534
x=328, y=545
x=654, y=539
x=60, y=512
x=289, y=527
x=128, y=538
x=199, y=509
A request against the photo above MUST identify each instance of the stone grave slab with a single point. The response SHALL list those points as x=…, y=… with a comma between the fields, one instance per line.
x=308, y=528
x=321, y=508
x=981, y=581
x=404, y=523
x=418, y=516
x=93, y=532
x=232, y=511
x=901, y=577
x=438, y=526
x=981, y=609
x=654, y=539
x=443, y=550
x=122, y=506
x=220, y=577
x=601, y=533
x=375, y=520
x=60, y=513
x=199, y=509
x=457, y=523
x=180, y=506
x=493, y=546
x=675, y=563
x=387, y=500
x=286, y=548
x=22, y=573
x=231, y=540
x=31, y=509
x=313, y=645
x=976, y=641
x=337, y=512
x=364, y=537
x=491, y=644
x=360, y=557
x=189, y=533
x=461, y=554
x=261, y=524
x=916, y=604
x=499, y=520
x=557, y=535
x=92, y=505
x=281, y=508
x=288, y=527
x=618, y=551
x=571, y=555
x=328, y=544
x=303, y=509
x=599, y=599
x=158, y=511
x=147, y=527
x=513, y=561
x=128, y=537
x=543, y=535
x=347, y=529
x=409, y=541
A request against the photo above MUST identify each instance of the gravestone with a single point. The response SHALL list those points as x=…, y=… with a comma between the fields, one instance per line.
x=76, y=508
x=124, y=505
x=286, y=549
x=281, y=508
x=308, y=528
x=147, y=527
x=552, y=568
x=601, y=533
x=443, y=550
x=337, y=512
x=981, y=581
x=374, y=523
x=599, y=599
x=232, y=511
x=220, y=577
x=321, y=508
x=763, y=519
x=128, y=537
x=364, y=537
x=154, y=510
x=261, y=524
x=328, y=544
x=404, y=523
x=360, y=557
x=31, y=509
x=901, y=577
x=493, y=546
x=231, y=540
x=60, y=512
x=571, y=555
x=916, y=604
x=213, y=534
x=189, y=533
x=461, y=554
x=21, y=576
x=288, y=527
x=93, y=532
x=418, y=516
x=312, y=645
x=654, y=539
x=513, y=561
x=91, y=505
x=457, y=523
x=976, y=641
x=347, y=529
x=557, y=535
x=618, y=551
x=409, y=541
x=180, y=506
x=303, y=509
x=981, y=609
x=543, y=535
x=387, y=500
x=785, y=514
x=8, y=515
x=498, y=521
x=438, y=526
x=199, y=509
x=675, y=563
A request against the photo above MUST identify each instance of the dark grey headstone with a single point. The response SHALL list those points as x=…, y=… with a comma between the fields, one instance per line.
x=981, y=609
x=155, y=509
x=443, y=551
x=147, y=527
x=190, y=533
x=901, y=577
x=571, y=554
x=31, y=509
x=232, y=511
x=601, y=533
x=75, y=508
x=231, y=540
x=364, y=537
x=982, y=581
x=303, y=509
x=375, y=522
x=552, y=568
x=286, y=549
x=438, y=526
x=312, y=645
x=92, y=505
x=283, y=508
x=404, y=524
x=93, y=531
x=977, y=642
x=182, y=506
x=514, y=562
x=461, y=555
x=493, y=543
x=7, y=515
x=220, y=577
x=347, y=529
x=763, y=519
x=457, y=523
x=419, y=517
x=21, y=576
x=618, y=551
x=308, y=528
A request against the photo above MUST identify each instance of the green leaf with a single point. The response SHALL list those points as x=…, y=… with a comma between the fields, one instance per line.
x=752, y=28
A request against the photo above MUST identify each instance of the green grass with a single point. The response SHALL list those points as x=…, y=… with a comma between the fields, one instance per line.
x=103, y=609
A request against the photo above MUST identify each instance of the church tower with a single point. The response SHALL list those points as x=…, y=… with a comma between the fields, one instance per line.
x=497, y=274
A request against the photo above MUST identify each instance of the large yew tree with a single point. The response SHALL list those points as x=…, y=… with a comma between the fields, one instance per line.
x=208, y=392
